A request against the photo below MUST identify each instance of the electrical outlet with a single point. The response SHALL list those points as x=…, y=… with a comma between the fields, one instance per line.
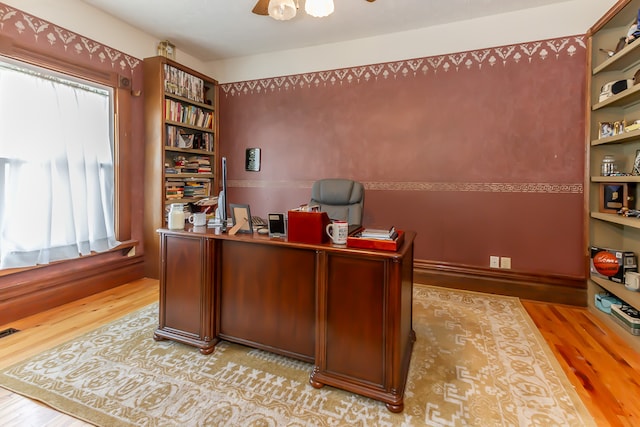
x=494, y=261
x=505, y=262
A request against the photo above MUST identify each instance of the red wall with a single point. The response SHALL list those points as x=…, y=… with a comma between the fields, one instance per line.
x=480, y=152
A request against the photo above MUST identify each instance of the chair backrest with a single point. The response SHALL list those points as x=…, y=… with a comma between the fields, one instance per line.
x=341, y=199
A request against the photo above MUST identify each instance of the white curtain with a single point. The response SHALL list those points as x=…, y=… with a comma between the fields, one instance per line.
x=56, y=169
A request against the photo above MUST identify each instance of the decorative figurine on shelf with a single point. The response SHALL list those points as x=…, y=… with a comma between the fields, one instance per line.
x=179, y=163
x=630, y=213
x=635, y=125
x=618, y=127
x=633, y=33
x=166, y=49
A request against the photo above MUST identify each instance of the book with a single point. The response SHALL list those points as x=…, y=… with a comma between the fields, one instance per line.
x=381, y=234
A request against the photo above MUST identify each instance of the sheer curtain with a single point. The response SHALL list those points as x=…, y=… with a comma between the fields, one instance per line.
x=56, y=169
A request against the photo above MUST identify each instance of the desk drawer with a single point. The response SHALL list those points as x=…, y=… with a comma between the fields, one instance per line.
x=267, y=298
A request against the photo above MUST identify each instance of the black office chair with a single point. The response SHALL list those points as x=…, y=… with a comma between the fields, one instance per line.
x=341, y=199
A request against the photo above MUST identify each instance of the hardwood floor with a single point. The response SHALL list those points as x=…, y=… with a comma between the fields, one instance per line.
x=50, y=328
x=604, y=371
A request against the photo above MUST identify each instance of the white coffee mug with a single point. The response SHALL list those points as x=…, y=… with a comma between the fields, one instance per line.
x=198, y=219
x=338, y=232
x=632, y=281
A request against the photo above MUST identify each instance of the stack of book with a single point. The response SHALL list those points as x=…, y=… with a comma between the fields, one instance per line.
x=174, y=189
x=195, y=189
x=379, y=234
x=198, y=164
x=387, y=239
x=168, y=169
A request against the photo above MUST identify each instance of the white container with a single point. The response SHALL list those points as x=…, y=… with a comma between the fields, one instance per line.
x=176, y=217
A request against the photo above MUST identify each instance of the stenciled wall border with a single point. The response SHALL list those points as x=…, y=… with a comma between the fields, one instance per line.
x=482, y=187
x=544, y=50
x=50, y=35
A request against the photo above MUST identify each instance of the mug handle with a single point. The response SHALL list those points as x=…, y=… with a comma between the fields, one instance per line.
x=329, y=227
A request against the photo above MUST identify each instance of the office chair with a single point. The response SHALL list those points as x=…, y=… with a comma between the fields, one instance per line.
x=341, y=199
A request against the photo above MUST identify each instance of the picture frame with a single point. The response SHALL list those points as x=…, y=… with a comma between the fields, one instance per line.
x=252, y=160
x=167, y=49
x=613, y=197
x=636, y=164
x=241, y=215
x=606, y=129
x=277, y=227
x=618, y=127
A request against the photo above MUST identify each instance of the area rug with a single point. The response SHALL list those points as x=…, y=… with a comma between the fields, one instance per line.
x=478, y=361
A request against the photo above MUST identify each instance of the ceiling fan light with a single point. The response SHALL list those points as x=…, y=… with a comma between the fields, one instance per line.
x=319, y=8
x=282, y=10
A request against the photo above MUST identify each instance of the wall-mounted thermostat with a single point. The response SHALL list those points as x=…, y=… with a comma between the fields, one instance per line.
x=252, y=160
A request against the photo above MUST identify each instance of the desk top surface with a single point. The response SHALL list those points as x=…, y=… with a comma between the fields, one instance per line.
x=211, y=233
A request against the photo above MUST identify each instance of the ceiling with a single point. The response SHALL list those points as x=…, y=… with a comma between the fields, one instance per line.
x=219, y=29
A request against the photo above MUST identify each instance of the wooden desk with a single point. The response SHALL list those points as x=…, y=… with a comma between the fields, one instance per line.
x=347, y=311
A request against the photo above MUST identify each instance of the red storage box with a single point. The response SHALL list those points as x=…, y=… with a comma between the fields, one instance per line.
x=384, y=245
x=307, y=227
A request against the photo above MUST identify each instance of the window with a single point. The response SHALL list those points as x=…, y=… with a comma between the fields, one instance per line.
x=56, y=166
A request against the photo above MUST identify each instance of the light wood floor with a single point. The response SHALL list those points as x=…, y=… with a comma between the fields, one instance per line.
x=53, y=327
x=604, y=371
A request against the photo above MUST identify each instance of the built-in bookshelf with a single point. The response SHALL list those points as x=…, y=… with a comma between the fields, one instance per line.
x=181, y=144
x=612, y=132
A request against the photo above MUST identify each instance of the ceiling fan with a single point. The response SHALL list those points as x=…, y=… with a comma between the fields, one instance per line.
x=286, y=9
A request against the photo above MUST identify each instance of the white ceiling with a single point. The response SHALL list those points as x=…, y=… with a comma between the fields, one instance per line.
x=219, y=29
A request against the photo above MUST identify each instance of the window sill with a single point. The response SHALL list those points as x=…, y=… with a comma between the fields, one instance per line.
x=127, y=248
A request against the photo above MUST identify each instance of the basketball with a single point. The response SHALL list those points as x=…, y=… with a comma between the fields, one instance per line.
x=606, y=263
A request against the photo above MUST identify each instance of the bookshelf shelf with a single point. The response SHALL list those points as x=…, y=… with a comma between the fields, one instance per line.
x=184, y=200
x=188, y=101
x=630, y=297
x=626, y=97
x=617, y=219
x=621, y=178
x=189, y=151
x=190, y=175
x=618, y=139
x=188, y=126
x=181, y=146
x=621, y=61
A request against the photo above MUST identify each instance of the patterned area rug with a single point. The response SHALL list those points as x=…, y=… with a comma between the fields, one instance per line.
x=478, y=360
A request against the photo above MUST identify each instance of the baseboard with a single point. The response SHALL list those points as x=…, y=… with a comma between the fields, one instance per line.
x=25, y=293
x=547, y=288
